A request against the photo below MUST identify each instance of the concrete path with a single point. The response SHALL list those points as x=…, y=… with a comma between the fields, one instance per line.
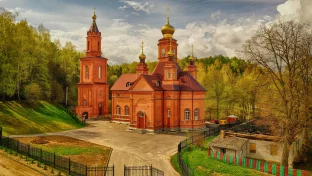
x=130, y=148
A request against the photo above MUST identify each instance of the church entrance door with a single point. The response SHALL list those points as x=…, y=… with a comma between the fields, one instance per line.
x=100, y=109
x=141, y=119
x=168, y=122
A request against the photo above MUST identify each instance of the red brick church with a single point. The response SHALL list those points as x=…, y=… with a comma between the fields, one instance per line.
x=93, y=87
x=166, y=99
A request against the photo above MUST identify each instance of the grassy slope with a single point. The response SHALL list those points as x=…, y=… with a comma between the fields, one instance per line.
x=197, y=159
x=43, y=117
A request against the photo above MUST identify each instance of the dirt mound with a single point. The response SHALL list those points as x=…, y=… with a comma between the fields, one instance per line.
x=39, y=140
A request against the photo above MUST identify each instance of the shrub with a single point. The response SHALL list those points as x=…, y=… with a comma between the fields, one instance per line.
x=33, y=92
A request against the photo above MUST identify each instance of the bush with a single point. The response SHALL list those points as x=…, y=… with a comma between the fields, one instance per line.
x=33, y=92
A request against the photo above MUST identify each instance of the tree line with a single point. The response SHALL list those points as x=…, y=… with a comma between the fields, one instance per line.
x=31, y=66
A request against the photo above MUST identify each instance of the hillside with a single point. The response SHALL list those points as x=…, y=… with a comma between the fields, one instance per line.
x=25, y=118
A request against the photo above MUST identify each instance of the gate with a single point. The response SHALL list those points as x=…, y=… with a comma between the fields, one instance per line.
x=101, y=171
x=142, y=171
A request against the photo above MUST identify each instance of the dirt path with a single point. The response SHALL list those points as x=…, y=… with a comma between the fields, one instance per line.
x=10, y=167
x=130, y=148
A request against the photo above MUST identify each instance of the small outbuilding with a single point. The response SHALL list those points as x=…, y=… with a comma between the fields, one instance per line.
x=255, y=140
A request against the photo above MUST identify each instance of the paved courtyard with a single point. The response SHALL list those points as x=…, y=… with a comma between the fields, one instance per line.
x=131, y=148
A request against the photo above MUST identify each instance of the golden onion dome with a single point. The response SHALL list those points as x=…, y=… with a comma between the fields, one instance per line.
x=142, y=55
x=167, y=30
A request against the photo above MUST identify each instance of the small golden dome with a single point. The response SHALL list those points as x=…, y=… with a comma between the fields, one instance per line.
x=94, y=16
x=170, y=53
x=142, y=55
x=192, y=58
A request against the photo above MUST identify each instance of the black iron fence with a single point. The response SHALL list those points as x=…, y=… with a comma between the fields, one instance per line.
x=142, y=171
x=51, y=159
x=186, y=171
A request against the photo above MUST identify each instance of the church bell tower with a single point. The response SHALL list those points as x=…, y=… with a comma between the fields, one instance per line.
x=93, y=87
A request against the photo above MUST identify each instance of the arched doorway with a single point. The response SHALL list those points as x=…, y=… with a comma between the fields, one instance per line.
x=100, y=108
x=141, y=119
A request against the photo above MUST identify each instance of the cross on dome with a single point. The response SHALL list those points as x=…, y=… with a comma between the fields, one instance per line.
x=168, y=12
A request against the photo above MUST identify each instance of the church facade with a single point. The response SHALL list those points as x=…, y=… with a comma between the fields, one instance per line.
x=92, y=87
x=166, y=99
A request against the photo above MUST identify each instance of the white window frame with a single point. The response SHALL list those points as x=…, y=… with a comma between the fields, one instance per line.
x=126, y=110
x=163, y=52
x=196, y=114
x=168, y=113
x=87, y=72
x=187, y=114
x=100, y=72
x=118, y=110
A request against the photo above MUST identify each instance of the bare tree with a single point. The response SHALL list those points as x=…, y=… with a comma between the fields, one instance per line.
x=283, y=50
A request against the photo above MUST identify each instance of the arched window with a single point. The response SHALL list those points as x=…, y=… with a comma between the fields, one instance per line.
x=196, y=114
x=118, y=110
x=174, y=52
x=168, y=75
x=163, y=52
x=157, y=83
x=100, y=93
x=126, y=110
x=87, y=72
x=187, y=114
x=100, y=72
x=99, y=46
x=84, y=102
x=88, y=45
x=168, y=113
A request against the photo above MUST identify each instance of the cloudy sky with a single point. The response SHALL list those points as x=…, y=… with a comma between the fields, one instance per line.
x=213, y=26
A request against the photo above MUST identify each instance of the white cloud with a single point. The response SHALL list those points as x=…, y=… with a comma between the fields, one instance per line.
x=121, y=40
x=146, y=7
x=299, y=10
x=216, y=15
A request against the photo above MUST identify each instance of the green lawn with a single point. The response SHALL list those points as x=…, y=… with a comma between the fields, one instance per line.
x=198, y=160
x=40, y=117
x=73, y=150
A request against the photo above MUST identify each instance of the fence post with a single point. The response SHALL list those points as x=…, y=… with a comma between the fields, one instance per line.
x=8, y=142
x=28, y=150
x=1, y=136
x=151, y=170
x=69, y=166
x=41, y=155
x=17, y=146
x=124, y=170
x=87, y=171
x=113, y=170
x=54, y=160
